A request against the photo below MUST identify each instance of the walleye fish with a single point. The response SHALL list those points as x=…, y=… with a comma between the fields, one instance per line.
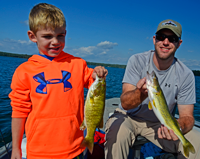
x=93, y=113
x=159, y=105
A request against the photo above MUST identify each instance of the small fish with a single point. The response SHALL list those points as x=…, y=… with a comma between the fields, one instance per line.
x=159, y=105
x=93, y=113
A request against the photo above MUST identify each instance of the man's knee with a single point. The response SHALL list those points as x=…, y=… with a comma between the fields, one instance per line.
x=119, y=130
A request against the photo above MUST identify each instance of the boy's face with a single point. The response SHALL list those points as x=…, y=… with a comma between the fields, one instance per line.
x=50, y=42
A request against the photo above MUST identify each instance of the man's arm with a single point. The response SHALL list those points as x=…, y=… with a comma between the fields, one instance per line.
x=186, y=118
x=132, y=95
x=186, y=122
x=17, y=135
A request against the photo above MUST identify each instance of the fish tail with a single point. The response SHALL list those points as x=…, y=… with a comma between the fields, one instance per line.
x=89, y=143
x=188, y=147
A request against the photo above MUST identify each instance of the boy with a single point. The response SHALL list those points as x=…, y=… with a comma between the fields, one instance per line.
x=47, y=95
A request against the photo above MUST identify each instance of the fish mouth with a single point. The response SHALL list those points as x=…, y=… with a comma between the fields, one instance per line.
x=150, y=77
x=100, y=78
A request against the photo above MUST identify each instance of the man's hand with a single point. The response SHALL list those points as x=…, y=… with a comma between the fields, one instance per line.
x=164, y=133
x=132, y=95
x=100, y=71
x=141, y=85
x=186, y=123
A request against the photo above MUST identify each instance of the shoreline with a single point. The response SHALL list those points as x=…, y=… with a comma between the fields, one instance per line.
x=196, y=72
x=89, y=63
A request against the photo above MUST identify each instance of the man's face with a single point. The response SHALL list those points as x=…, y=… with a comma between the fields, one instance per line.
x=165, y=50
x=50, y=42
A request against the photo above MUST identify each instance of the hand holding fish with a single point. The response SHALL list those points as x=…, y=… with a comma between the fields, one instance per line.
x=100, y=71
x=165, y=133
x=132, y=95
x=141, y=85
x=185, y=122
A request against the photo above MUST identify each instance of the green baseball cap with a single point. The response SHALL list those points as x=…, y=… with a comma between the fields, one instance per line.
x=172, y=25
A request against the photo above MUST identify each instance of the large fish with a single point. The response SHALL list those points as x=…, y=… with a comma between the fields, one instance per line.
x=159, y=105
x=93, y=113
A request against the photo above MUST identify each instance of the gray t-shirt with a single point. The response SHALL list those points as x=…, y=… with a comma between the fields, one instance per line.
x=177, y=83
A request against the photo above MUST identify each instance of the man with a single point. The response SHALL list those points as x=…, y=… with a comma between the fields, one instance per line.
x=133, y=117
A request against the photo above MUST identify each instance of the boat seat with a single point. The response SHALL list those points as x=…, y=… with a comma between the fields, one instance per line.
x=139, y=142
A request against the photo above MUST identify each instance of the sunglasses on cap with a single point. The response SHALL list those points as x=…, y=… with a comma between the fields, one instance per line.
x=171, y=38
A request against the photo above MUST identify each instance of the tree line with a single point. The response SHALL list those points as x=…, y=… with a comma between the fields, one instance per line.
x=14, y=55
x=89, y=63
x=196, y=72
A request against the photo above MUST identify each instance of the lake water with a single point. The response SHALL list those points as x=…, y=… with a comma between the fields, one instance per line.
x=113, y=89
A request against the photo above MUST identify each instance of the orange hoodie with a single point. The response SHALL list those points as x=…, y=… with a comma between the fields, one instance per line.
x=51, y=95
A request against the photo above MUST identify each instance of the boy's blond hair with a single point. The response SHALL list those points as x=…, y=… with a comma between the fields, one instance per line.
x=44, y=16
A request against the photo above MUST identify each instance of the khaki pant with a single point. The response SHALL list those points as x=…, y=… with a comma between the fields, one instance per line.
x=121, y=131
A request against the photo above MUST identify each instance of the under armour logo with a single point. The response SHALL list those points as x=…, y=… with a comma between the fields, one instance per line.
x=167, y=85
x=43, y=83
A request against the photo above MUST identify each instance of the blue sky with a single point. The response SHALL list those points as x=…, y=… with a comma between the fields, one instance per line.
x=106, y=31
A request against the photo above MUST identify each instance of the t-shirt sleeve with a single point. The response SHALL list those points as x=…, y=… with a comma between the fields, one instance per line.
x=20, y=98
x=133, y=70
x=187, y=91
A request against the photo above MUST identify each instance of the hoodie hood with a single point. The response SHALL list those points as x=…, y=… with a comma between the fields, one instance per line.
x=60, y=58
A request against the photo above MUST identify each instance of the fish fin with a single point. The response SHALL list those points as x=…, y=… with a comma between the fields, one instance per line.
x=154, y=103
x=91, y=94
x=83, y=125
x=186, y=151
x=92, y=99
x=101, y=124
x=188, y=148
x=89, y=143
x=150, y=106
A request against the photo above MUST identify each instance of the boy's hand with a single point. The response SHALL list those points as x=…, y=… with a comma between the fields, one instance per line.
x=16, y=154
x=100, y=71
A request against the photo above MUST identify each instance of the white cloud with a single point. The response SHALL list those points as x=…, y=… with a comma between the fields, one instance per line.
x=149, y=38
x=25, y=22
x=106, y=45
x=28, y=47
x=84, y=51
x=18, y=46
x=101, y=48
x=192, y=64
x=25, y=42
x=103, y=53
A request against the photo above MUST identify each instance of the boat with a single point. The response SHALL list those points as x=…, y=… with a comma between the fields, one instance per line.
x=110, y=105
